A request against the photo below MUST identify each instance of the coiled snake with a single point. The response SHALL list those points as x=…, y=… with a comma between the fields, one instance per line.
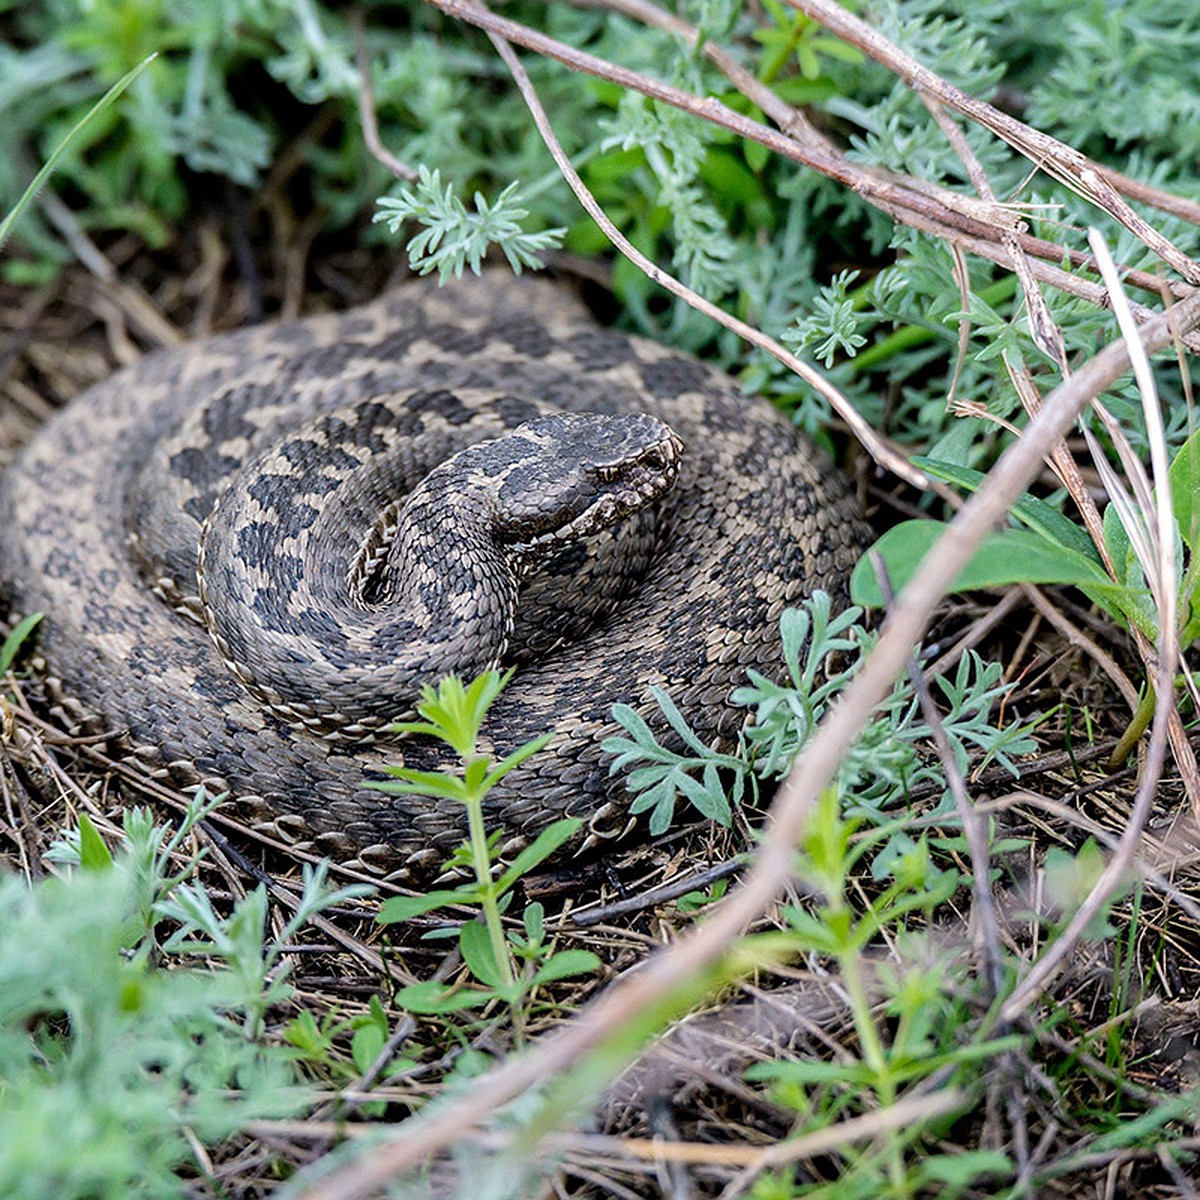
x=393, y=493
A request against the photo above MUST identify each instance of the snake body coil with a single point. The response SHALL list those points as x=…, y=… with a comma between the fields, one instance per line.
x=443, y=480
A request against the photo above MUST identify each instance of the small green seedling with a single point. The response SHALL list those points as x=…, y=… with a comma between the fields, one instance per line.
x=506, y=967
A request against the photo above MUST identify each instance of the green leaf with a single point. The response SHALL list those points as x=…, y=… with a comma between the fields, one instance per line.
x=810, y=1072
x=1011, y=556
x=476, y=945
x=1116, y=542
x=1029, y=510
x=1184, y=477
x=421, y=783
x=403, y=908
x=366, y=1044
x=16, y=639
x=431, y=997
x=659, y=800
x=515, y=759
x=963, y=1169
x=94, y=854
x=544, y=845
x=567, y=963
x=39, y=180
x=416, y=729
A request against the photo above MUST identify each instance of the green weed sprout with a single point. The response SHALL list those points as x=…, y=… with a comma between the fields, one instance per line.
x=14, y=643
x=453, y=713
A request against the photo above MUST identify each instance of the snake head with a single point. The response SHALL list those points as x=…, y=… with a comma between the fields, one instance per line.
x=574, y=474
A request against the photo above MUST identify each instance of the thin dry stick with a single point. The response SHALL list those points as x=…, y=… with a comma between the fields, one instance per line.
x=797, y=126
x=791, y=120
x=1042, y=328
x=974, y=826
x=948, y=215
x=1161, y=572
x=366, y=106
x=698, y=949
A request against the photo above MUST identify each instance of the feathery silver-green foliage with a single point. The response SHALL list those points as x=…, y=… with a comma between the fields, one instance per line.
x=116, y=1057
x=884, y=767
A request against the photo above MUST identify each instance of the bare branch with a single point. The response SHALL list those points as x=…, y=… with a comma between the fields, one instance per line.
x=1062, y=162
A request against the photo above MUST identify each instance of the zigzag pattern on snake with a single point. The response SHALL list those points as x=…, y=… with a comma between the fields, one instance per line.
x=344, y=420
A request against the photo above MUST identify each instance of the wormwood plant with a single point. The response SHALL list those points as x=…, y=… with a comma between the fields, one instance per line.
x=118, y=1058
x=884, y=766
x=506, y=966
x=453, y=238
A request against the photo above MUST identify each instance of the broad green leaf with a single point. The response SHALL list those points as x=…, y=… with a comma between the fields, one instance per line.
x=566, y=963
x=476, y=945
x=430, y=997
x=366, y=1043
x=1116, y=541
x=962, y=1169
x=1029, y=510
x=1011, y=556
x=94, y=854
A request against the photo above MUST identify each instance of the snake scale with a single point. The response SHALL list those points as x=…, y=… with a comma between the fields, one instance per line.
x=443, y=479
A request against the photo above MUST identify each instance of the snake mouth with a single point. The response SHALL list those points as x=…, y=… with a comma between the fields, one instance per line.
x=622, y=489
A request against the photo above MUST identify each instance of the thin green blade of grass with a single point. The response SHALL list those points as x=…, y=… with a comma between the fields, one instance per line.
x=39, y=180
x=16, y=639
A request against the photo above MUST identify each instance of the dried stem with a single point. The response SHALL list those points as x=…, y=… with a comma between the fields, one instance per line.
x=923, y=206
x=886, y=455
x=1064, y=163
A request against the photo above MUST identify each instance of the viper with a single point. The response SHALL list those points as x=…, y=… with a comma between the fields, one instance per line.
x=253, y=551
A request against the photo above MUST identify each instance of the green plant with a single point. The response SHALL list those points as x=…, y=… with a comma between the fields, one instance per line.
x=878, y=774
x=453, y=237
x=922, y=987
x=119, y=1060
x=40, y=179
x=316, y=1044
x=14, y=643
x=506, y=967
x=1051, y=549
